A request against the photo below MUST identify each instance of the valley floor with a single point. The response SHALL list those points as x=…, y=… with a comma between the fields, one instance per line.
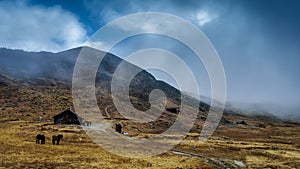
x=277, y=146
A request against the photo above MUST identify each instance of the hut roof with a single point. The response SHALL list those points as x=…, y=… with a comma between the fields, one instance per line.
x=65, y=112
x=67, y=117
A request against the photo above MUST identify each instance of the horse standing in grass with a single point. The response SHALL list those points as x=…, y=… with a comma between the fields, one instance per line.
x=56, y=139
x=40, y=139
x=118, y=128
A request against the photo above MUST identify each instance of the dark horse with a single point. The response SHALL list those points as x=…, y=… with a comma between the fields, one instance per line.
x=56, y=138
x=118, y=128
x=40, y=139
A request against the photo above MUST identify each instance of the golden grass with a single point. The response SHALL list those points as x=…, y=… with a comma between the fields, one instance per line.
x=18, y=150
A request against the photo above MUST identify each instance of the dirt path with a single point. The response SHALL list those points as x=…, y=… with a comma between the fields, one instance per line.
x=216, y=163
x=106, y=112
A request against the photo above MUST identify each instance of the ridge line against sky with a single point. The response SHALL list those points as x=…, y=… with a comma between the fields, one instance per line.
x=258, y=41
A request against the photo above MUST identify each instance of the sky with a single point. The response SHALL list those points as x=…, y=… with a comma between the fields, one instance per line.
x=258, y=41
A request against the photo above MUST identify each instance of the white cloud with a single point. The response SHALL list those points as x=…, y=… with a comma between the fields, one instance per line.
x=203, y=17
x=145, y=23
x=37, y=28
x=98, y=45
x=109, y=14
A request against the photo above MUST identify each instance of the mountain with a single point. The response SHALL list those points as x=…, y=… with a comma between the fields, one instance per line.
x=47, y=77
x=45, y=69
x=36, y=67
x=28, y=65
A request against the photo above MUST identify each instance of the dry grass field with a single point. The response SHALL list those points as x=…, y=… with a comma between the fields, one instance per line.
x=18, y=150
x=273, y=147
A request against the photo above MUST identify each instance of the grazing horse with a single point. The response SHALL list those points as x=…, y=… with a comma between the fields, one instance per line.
x=118, y=128
x=56, y=138
x=40, y=139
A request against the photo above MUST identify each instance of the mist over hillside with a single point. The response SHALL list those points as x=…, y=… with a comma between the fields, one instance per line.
x=286, y=113
x=42, y=67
